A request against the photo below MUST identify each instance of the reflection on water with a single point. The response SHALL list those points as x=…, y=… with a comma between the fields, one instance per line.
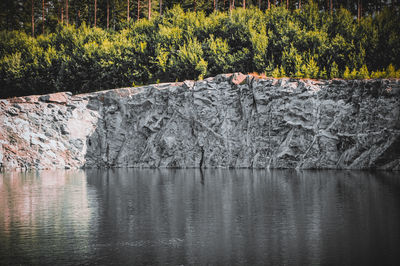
x=46, y=215
x=191, y=217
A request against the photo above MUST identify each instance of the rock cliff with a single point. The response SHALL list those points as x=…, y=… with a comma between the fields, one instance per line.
x=225, y=121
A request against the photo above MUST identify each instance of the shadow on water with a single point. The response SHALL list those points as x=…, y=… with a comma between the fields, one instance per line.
x=201, y=175
x=207, y=216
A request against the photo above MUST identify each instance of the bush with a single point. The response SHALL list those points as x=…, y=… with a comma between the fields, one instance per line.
x=190, y=45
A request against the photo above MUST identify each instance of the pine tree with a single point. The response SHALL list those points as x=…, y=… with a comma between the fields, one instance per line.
x=276, y=73
x=108, y=14
x=334, y=71
x=149, y=9
x=66, y=12
x=33, y=19
x=43, y=18
x=354, y=74
x=363, y=72
x=95, y=13
x=346, y=74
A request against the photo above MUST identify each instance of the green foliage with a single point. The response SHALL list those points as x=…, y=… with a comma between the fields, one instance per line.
x=310, y=69
x=323, y=73
x=363, y=73
x=354, y=74
x=276, y=73
x=334, y=70
x=217, y=53
x=188, y=61
x=183, y=44
x=390, y=71
x=347, y=74
x=378, y=74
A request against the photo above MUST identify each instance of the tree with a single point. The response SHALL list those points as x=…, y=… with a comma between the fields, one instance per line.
x=33, y=20
x=149, y=6
x=43, y=17
x=108, y=14
x=334, y=71
x=95, y=13
x=138, y=10
x=66, y=12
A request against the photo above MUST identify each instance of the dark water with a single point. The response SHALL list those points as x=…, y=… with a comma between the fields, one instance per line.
x=146, y=217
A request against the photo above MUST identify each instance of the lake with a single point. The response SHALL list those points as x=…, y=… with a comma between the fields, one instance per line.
x=175, y=217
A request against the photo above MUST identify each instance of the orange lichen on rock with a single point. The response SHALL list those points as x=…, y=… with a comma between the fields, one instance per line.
x=257, y=75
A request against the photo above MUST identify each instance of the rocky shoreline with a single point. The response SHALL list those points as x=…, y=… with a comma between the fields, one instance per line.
x=229, y=121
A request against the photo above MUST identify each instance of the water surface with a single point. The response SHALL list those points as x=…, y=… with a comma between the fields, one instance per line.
x=147, y=217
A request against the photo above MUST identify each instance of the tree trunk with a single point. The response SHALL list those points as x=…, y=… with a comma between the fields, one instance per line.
x=62, y=15
x=43, y=16
x=244, y=4
x=214, y=6
x=269, y=4
x=195, y=4
x=331, y=6
x=95, y=13
x=33, y=20
x=287, y=4
x=259, y=4
x=66, y=12
x=149, y=9
x=108, y=14
x=138, y=10
x=127, y=12
x=299, y=4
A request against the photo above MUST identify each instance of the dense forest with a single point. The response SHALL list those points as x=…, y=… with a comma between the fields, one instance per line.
x=87, y=45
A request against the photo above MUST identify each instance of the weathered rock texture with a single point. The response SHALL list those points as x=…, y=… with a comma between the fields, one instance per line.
x=226, y=121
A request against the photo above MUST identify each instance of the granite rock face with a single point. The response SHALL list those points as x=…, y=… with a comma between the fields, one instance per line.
x=226, y=121
x=49, y=131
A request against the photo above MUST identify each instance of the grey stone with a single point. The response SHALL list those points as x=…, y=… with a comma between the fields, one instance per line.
x=44, y=98
x=63, y=130
x=226, y=121
x=13, y=111
x=286, y=123
x=77, y=143
x=17, y=106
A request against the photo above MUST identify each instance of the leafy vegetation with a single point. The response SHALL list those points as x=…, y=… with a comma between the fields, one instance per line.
x=304, y=43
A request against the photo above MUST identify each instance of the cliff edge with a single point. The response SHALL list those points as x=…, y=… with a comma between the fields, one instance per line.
x=231, y=120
